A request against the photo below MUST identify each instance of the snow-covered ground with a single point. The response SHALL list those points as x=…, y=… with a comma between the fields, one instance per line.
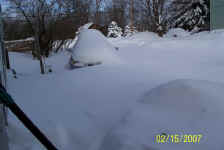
x=172, y=84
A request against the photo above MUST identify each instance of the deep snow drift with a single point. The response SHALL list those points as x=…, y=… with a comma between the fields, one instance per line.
x=178, y=107
x=102, y=107
x=92, y=46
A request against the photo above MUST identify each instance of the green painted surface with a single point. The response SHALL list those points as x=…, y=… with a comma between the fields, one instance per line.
x=217, y=14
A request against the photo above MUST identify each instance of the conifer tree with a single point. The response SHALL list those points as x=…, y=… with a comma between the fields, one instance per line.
x=190, y=14
x=114, y=30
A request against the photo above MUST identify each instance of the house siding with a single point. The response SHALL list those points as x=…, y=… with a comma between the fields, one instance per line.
x=216, y=14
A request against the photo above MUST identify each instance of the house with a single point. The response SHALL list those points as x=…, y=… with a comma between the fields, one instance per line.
x=216, y=14
x=3, y=118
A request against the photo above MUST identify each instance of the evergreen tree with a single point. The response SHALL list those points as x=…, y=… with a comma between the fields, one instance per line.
x=114, y=30
x=190, y=14
x=128, y=31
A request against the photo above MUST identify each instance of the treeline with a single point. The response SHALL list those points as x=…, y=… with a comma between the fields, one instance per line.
x=152, y=15
x=17, y=28
x=50, y=20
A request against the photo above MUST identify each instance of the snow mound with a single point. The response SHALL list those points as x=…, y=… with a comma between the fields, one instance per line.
x=184, y=94
x=93, y=47
x=71, y=43
x=141, y=38
x=177, y=32
x=150, y=36
x=178, y=107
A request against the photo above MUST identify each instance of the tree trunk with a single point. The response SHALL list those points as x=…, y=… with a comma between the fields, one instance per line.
x=97, y=12
x=7, y=60
x=41, y=65
x=37, y=48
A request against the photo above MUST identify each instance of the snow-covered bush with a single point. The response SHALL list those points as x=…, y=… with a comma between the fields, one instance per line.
x=114, y=30
x=128, y=31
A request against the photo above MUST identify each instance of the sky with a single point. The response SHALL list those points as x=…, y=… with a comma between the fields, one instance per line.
x=3, y=4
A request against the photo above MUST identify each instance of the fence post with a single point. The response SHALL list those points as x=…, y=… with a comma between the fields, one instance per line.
x=3, y=134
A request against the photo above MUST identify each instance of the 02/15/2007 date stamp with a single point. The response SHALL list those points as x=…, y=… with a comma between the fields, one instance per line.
x=177, y=138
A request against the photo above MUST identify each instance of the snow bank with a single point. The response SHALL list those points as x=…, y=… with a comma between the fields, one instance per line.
x=177, y=32
x=184, y=94
x=93, y=47
x=144, y=36
x=138, y=39
x=178, y=107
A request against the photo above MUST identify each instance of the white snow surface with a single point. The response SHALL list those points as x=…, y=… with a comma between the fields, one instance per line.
x=92, y=46
x=171, y=85
x=86, y=26
x=177, y=32
x=177, y=107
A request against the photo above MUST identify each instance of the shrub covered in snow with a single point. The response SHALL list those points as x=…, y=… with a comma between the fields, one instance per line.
x=114, y=30
x=128, y=31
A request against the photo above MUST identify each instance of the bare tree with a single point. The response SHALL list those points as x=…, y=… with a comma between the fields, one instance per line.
x=79, y=10
x=155, y=12
x=40, y=16
x=97, y=13
x=116, y=11
x=131, y=13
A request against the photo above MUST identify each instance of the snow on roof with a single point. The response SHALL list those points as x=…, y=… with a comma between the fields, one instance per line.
x=93, y=47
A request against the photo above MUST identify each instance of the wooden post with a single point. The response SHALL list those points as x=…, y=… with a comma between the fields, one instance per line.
x=3, y=134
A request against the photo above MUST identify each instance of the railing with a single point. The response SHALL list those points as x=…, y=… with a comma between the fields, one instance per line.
x=3, y=118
